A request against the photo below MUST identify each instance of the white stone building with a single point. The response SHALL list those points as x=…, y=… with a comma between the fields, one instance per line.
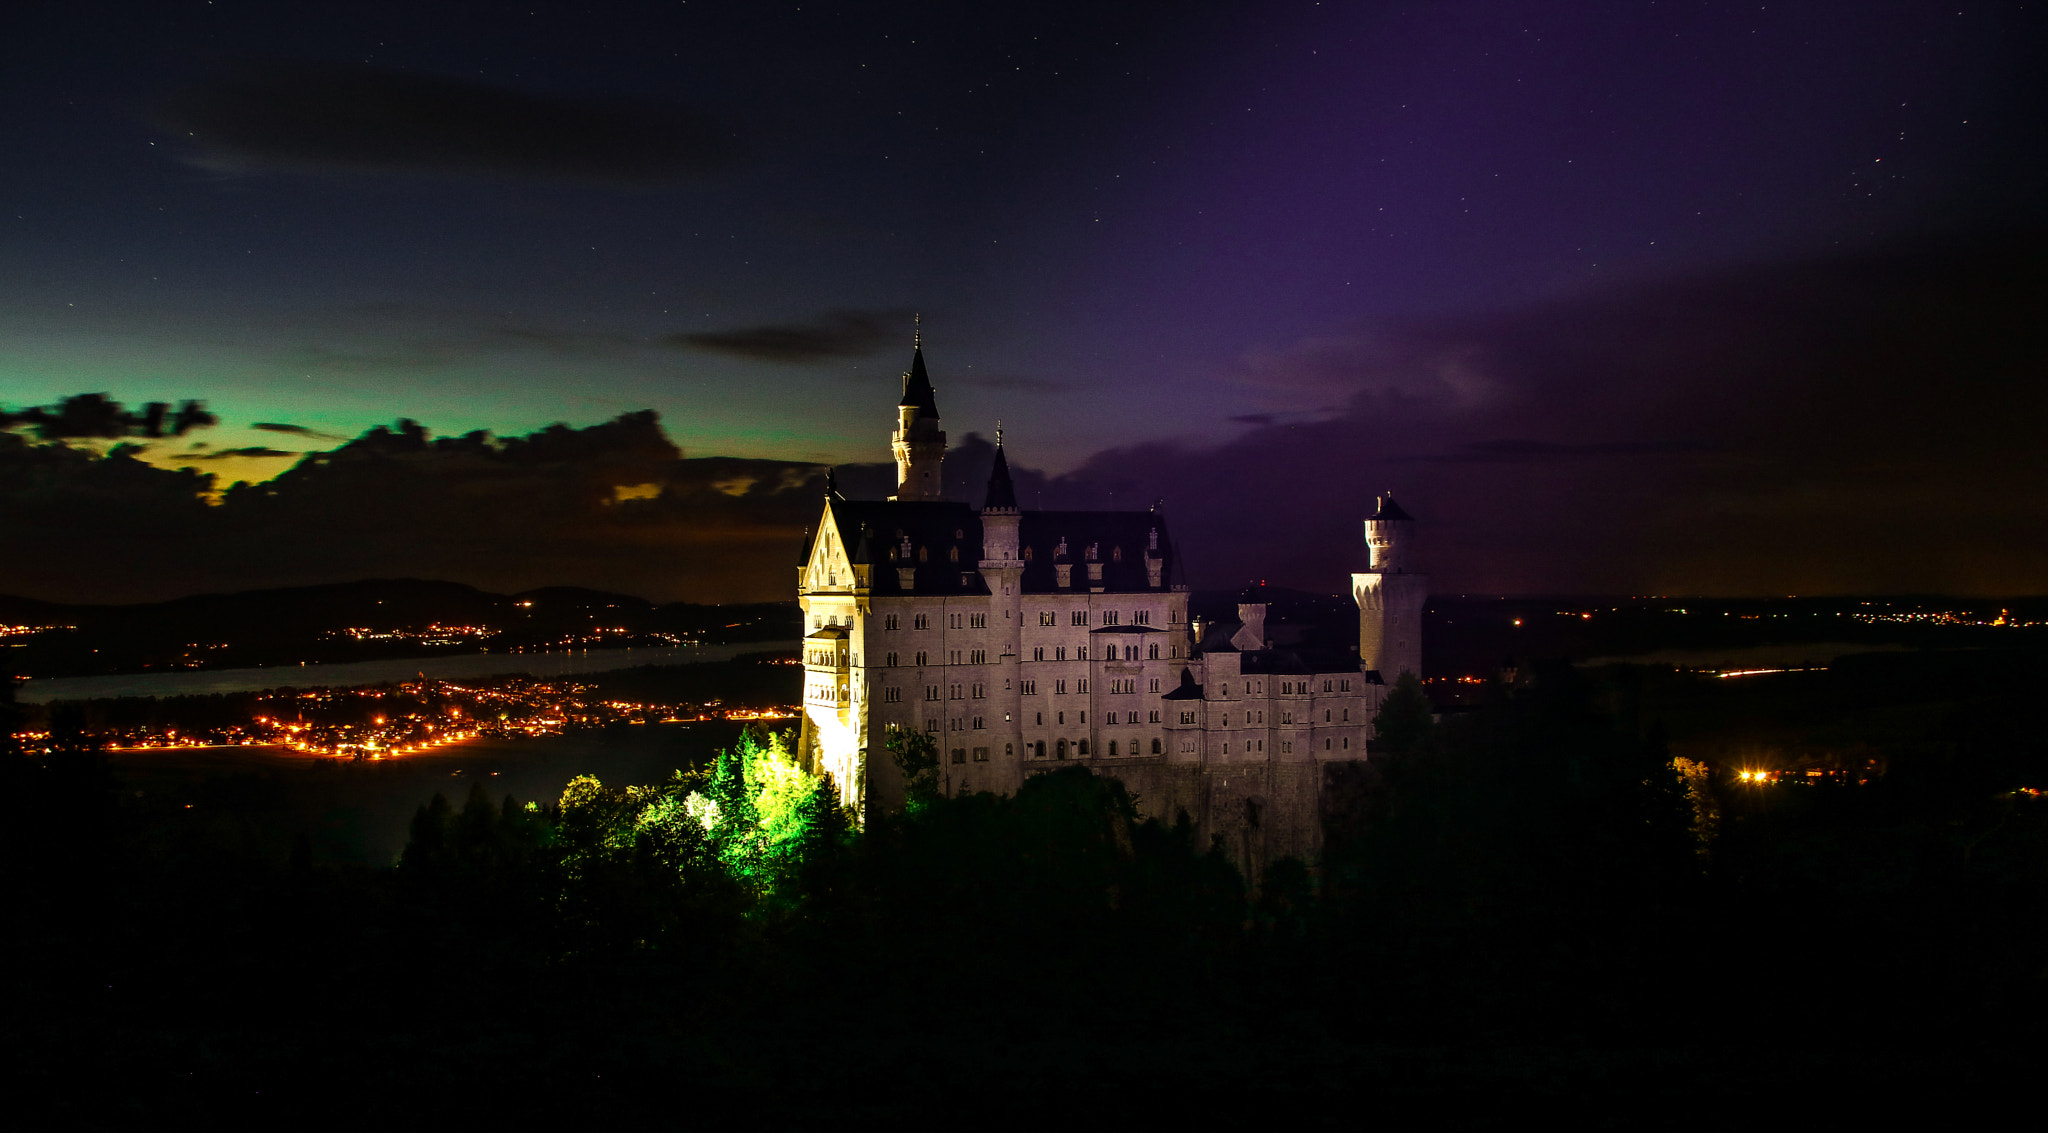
x=1029, y=640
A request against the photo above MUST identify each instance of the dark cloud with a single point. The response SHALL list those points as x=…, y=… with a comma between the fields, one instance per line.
x=322, y=116
x=295, y=430
x=1858, y=423
x=612, y=506
x=96, y=415
x=251, y=451
x=1253, y=419
x=835, y=334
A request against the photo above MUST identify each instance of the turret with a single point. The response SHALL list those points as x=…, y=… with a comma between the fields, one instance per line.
x=999, y=516
x=1390, y=595
x=1389, y=536
x=919, y=444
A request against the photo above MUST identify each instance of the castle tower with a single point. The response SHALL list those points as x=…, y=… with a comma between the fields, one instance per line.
x=1390, y=597
x=919, y=445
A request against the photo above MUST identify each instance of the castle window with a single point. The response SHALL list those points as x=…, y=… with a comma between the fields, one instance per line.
x=981, y=755
x=1037, y=749
x=1045, y=618
x=1083, y=690
x=1083, y=745
x=1174, y=650
x=1081, y=653
x=1326, y=686
x=1038, y=653
x=1155, y=684
x=953, y=553
x=1286, y=746
x=1344, y=686
x=1084, y=712
x=959, y=755
x=977, y=724
x=978, y=694
x=1143, y=617
x=923, y=621
x=1027, y=688
x=1027, y=558
x=1326, y=715
x=922, y=556
x=1059, y=749
x=1080, y=617
x=1153, y=654
x=920, y=658
x=1112, y=718
x=931, y=726
x=1347, y=716
x=1326, y=745
x=1061, y=718
x=1009, y=750
x=1154, y=717
x=1116, y=555
x=890, y=658
x=977, y=657
x=1109, y=617
x=889, y=622
x=892, y=695
x=1155, y=745
x=977, y=621
x=1187, y=717
x=1112, y=743
x=1041, y=718
x=1059, y=653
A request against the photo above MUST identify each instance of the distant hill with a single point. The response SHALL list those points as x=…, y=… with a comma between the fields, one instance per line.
x=357, y=621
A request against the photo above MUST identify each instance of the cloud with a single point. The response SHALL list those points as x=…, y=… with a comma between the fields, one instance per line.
x=255, y=451
x=98, y=416
x=834, y=334
x=306, y=116
x=1853, y=423
x=295, y=430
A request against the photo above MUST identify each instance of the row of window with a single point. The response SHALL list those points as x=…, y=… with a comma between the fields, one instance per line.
x=1110, y=653
x=980, y=621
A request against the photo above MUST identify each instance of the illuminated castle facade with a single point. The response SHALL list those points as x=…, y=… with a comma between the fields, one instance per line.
x=1028, y=640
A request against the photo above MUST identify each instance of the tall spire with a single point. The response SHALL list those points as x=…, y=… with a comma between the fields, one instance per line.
x=917, y=385
x=1002, y=493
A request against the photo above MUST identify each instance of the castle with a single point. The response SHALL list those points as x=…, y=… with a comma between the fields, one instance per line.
x=1028, y=640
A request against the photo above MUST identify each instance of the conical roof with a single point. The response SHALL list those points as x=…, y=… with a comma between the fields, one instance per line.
x=1001, y=492
x=917, y=387
x=1389, y=510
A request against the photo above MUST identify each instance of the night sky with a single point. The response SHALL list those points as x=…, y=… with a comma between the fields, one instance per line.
x=1638, y=297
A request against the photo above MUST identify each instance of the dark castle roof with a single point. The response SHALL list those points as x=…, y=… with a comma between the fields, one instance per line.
x=945, y=546
x=1389, y=510
x=1001, y=492
x=917, y=387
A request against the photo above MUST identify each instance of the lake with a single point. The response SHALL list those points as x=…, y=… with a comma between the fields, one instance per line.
x=344, y=674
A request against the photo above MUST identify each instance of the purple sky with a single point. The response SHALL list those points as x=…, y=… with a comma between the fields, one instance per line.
x=1626, y=296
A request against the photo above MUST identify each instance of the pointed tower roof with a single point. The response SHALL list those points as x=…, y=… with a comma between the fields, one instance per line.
x=1001, y=492
x=917, y=385
x=1389, y=510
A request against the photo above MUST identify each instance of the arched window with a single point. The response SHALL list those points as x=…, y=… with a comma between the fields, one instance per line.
x=922, y=555
x=1059, y=750
x=1155, y=745
x=1027, y=554
x=953, y=553
x=1083, y=745
x=1112, y=747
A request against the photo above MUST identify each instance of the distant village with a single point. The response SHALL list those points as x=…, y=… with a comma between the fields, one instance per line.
x=371, y=723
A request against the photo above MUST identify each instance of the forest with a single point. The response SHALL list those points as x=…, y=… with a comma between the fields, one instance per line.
x=1530, y=908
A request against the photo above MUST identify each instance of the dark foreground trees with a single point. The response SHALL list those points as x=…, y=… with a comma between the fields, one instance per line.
x=1521, y=916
